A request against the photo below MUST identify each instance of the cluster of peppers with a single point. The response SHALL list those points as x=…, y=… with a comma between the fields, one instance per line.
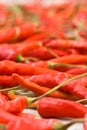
x=43, y=49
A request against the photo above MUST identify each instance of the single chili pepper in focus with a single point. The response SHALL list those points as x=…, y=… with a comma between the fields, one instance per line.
x=51, y=107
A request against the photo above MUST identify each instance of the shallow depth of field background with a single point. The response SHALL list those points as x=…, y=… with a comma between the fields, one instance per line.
x=28, y=1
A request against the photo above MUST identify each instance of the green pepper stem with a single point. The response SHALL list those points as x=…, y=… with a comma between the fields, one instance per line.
x=53, y=65
x=20, y=58
x=58, y=86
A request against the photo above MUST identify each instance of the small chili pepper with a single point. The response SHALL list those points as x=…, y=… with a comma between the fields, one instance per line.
x=46, y=54
x=6, y=81
x=68, y=59
x=62, y=44
x=9, y=51
x=16, y=34
x=15, y=106
x=76, y=71
x=9, y=67
x=51, y=107
x=51, y=80
x=39, y=36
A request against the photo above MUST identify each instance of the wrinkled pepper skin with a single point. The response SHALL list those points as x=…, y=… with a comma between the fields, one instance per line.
x=32, y=124
x=52, y=107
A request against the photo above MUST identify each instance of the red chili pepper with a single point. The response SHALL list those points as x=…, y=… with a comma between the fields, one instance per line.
x=7, y=81
x=9, y=67
x=3, y=98
x=33, y=124
x=69, y=59
x=64, y=44
x=76, y=71
x=52, y=107
x=10, y=52
x=51, y=80
x=15, y=106
x=46, y=54
x=17, y=33
x=39, y=36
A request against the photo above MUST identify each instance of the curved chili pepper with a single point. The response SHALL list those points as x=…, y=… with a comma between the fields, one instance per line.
x=52, y=107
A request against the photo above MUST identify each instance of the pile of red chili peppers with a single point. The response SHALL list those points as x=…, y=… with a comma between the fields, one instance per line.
x=43, y=51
